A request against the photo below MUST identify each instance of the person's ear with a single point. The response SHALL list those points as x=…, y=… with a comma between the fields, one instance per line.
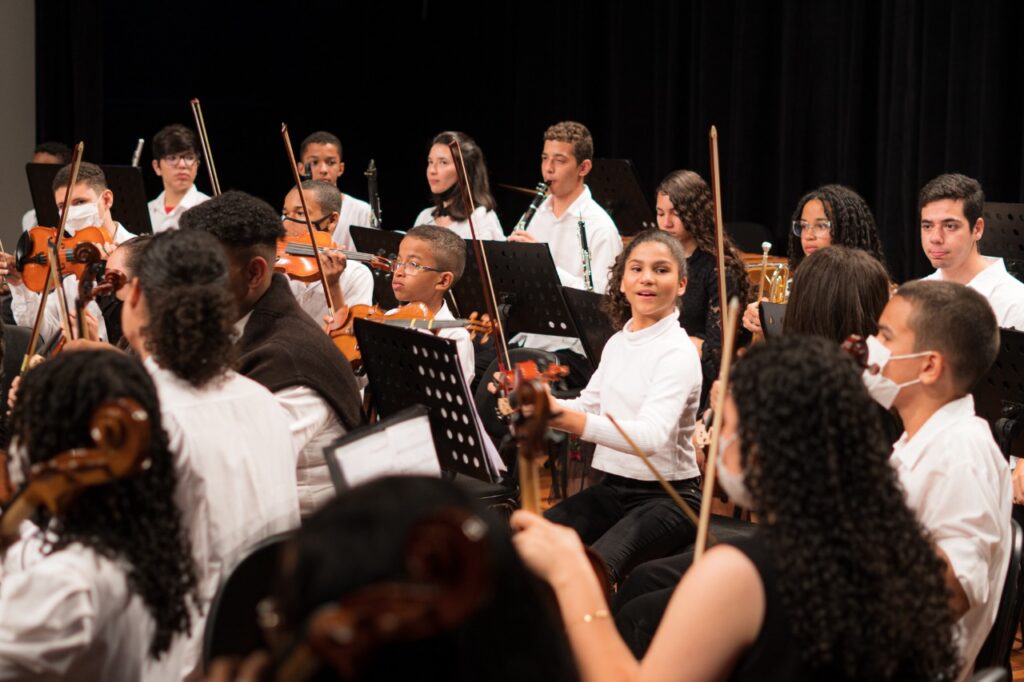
x=255, y=271
x=585, y=168
x=979, y=229
x=341, y=168
x=682, y=287
x=445, y=281
x=332, y=221
x=934, y=367
x=156, y=168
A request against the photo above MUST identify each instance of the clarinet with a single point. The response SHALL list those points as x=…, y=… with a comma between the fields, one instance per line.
x=588, y=273
x=538, y=197
x=371, y=185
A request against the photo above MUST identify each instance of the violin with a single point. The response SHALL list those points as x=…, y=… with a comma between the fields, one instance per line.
x=95, y=280
x=120, y=431
x=410, y=316
x=31, y=257
x=295, y=257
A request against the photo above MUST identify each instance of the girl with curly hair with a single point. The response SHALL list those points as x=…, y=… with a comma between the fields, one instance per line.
x=100, y=590
x=686, y=211
x=831, y=214
x=649, y=378
x=229, y=436
x=449, y=210
x=839, y=582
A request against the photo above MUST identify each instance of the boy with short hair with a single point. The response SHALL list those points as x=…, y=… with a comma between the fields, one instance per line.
x=321, y=151
x=46, y=152
x=430, y=260
x=350, y=283
x=935, y=341
x=565, y=162
x=951, y=230
x=176, y=161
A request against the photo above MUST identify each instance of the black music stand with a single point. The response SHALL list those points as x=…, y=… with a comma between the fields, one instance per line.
x=999, y=396
x=591, y=323
x=382, y=243
x=525, y=283
x=614, y=184
x=772, y=316
x=406, y=368
x=131, y=208
x=1004, y=235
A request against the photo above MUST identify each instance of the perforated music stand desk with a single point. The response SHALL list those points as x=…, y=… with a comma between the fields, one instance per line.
x=407, y=367
x=384, y=243
x=592, y=325
x=999, y=396
x=614, y=184
x=130, y=206
x=1004, y=235
x=525, y=283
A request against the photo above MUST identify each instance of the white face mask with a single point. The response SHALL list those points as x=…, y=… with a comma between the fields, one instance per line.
x=732, y=484
x=883, y=389
x=82, y=215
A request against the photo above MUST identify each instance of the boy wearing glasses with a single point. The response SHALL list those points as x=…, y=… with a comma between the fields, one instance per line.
x=430, y=260
x=350, y=283
x=176, y=162
x=951, y=229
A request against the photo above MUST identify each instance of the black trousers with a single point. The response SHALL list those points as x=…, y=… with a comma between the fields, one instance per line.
x=627, y=521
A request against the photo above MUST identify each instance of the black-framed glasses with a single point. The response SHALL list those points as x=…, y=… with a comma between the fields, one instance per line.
x=302, y=221
x=397, y=265
x=173, y=159
x=818, y=227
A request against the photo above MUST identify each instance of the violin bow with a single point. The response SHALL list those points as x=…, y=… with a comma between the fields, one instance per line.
x=728, y=339
x=204, y=140
x=500, y=342
x=76, y=163
x=676, y=497
x=716, y=194
x=309, y=223
x=58, y=286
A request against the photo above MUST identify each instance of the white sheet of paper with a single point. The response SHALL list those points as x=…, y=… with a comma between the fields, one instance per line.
x=405, y=448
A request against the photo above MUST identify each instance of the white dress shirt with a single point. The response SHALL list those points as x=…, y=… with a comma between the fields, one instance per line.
x=485, y=223
x=958, y=484
x=25, y=303
x=314, y=426
x=1005, y=293
x=235, y=461
x=161, y=220
x=463, y=343
x=562, y=237
x=29, y=220
x=353, y=212
x=70, y=615
x=650, y=381
x=356, y=284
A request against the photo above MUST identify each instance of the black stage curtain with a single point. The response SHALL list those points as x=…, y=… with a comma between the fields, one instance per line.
x=880, y=95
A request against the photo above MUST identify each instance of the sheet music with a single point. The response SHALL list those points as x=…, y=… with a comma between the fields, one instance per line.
x=405, y=448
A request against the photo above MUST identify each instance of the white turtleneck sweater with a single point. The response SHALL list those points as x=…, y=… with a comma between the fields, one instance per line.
x=649, y=380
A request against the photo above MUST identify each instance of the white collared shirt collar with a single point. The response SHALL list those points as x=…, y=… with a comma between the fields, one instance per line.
x=908, y=451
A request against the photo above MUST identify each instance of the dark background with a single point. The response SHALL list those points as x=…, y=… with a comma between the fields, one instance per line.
x=879, y=95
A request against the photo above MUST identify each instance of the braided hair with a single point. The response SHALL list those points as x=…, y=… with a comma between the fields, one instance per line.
x=183, y=275
x=862, y=586
x=852, y=222
x=135, y=519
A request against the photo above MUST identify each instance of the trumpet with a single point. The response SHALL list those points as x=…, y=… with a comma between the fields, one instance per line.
x=778, y=284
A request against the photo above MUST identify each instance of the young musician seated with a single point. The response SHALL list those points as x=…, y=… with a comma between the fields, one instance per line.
x=449, y=210
x=228, y=436
x=951, y=230
x=831, y=214
x=840, y=582
x=935, y=341
x=349, y=283
x=56, y=153
x=321, y=153
x=430, y=260
x=278, y=344
x=649, y=379
x=685, y=210
x=101, y=589
x=565, y=162
x=91, y=202
x=176, y=162
x=442, y=597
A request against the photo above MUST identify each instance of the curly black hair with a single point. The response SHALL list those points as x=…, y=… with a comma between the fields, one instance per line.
x=615, y=304
x=237, y=219
x=135, y=519
x=183, y=275
x=691, y=198
x=862, y=586
x=853, y=224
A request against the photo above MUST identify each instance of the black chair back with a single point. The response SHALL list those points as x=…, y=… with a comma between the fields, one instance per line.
x=996, y=649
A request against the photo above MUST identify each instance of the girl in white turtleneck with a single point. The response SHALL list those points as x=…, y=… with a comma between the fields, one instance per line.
x=649, y=379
